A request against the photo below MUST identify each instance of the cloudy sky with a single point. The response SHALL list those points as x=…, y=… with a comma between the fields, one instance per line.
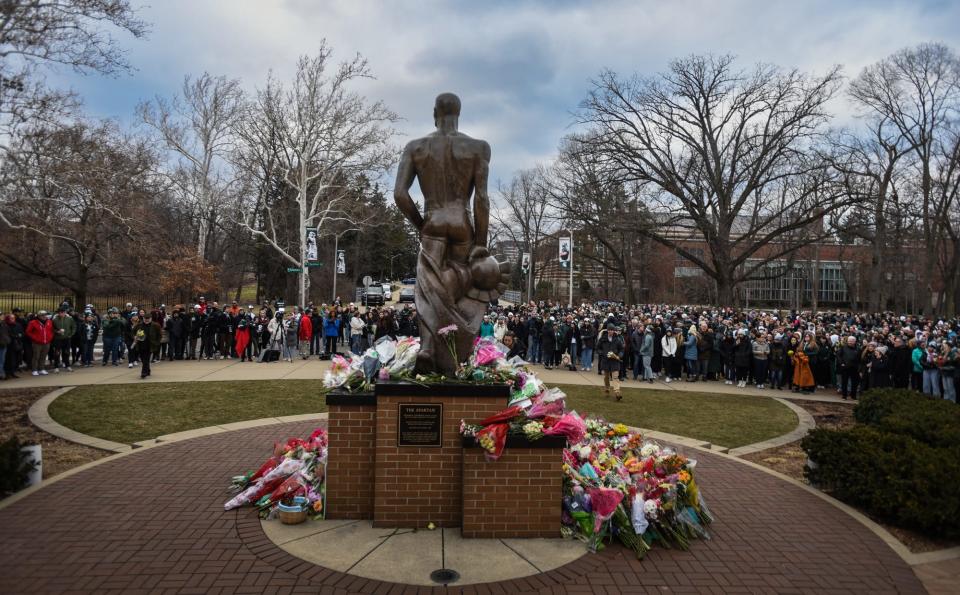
x=520, y=67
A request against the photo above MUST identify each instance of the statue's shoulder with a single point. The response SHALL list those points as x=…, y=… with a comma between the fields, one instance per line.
x=478, y=146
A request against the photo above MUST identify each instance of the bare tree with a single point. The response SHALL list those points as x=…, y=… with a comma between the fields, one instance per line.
x=871, y=166
x=591, y=200
x=52, y=33
x=197, y=127
x=918, y=90
x=74, y=198
x=524, y=215
x=722, y=156
x=327, y=136
x=946, y=186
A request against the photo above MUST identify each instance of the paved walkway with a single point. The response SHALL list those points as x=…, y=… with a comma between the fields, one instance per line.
x=153, y=521
x=314, y=369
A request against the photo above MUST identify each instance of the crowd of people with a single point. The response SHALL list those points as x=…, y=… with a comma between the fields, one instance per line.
x=783, y=350
x=40, y=343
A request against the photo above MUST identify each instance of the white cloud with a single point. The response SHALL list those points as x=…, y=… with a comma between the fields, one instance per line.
x=520, y=67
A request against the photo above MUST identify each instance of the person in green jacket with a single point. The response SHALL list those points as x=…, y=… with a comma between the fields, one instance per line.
x=916, y=378
x=64, y=327
x=112, y=336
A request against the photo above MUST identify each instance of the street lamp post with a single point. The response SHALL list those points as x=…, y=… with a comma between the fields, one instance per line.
x=391, y=264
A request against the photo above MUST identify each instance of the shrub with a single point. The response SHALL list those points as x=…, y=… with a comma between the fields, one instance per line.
x=890, y=475
x=932, y=421
x=14, y=468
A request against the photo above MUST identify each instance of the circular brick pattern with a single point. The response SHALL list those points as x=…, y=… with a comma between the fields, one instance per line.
x=153, y=521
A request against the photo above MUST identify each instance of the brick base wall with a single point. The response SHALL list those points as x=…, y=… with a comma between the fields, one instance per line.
x=350, y=461
x=416, y=486
x=518, y=495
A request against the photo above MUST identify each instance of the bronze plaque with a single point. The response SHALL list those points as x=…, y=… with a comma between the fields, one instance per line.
x=419, y=424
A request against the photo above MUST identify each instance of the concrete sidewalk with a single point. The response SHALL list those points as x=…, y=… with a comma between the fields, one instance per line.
x=314, y=369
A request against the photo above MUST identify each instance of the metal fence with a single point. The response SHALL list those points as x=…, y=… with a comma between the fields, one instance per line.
x=30, y=301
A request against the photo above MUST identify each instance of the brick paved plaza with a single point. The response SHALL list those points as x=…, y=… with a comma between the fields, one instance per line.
x=153, y=522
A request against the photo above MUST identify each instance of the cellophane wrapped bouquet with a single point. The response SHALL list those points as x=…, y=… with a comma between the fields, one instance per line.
x=297, y=468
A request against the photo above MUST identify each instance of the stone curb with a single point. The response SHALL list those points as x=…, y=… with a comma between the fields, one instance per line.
x=40, y=417
x=806, y=423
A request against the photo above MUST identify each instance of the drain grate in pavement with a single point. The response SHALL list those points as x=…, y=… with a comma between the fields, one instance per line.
x=444, y=576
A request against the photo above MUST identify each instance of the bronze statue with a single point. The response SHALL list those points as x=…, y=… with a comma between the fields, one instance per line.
x=456, y=276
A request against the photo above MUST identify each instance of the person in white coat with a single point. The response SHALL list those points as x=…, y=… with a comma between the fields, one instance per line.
x=668, y=345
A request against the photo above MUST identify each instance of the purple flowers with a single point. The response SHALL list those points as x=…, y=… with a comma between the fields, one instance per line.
x=450, y=328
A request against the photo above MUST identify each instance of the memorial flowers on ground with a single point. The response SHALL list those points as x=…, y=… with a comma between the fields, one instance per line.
x=617, y=484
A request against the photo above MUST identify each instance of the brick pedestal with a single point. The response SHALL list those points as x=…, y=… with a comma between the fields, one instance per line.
x=415, y=486
x=518, y=495
x=371, y=476
x=350, y=455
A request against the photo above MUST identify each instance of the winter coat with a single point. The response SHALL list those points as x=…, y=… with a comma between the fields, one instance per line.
x=548, y=337
x=802, y=375
x=606, y=345
x=727, y=348
x=690, y=347
x=848, y=358
x=668, y=345
x=778, y=355
x=66, y=324
x=742, y=353
x=113, y=328
x=646, y=348
x=331, y=327
x=40, y=333
x=146, y=336
x=4, y=334
x=305, y=330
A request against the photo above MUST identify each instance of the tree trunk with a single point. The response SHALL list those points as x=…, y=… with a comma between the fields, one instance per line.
x=725, y=288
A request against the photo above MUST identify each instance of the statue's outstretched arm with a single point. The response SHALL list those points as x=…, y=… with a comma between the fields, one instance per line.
x=401, y=189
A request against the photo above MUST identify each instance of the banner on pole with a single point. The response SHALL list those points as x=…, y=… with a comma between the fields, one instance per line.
x=566, y=251
x=310, y=251
x=525, y=263
x=341, y=262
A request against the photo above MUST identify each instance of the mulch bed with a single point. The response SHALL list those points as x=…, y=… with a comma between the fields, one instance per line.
x=59, y=455
x=790, y=460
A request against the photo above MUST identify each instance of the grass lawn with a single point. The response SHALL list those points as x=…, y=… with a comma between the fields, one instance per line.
x=728, y=420
x=129, y=413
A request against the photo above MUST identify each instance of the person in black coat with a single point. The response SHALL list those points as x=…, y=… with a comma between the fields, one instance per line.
x=742, y=354
x=900, y=363
x=610, y=348
x=548, y=342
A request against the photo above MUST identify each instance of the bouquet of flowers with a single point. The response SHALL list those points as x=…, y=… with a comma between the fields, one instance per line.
x=297, y=468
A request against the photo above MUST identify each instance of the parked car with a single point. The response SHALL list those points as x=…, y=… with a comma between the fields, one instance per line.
x=406, y=295
x=387, y=292
x=410, y=281
x=373, y=296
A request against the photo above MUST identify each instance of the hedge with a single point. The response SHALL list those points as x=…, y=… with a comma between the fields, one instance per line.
x=929, y=420
x=890, y=475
